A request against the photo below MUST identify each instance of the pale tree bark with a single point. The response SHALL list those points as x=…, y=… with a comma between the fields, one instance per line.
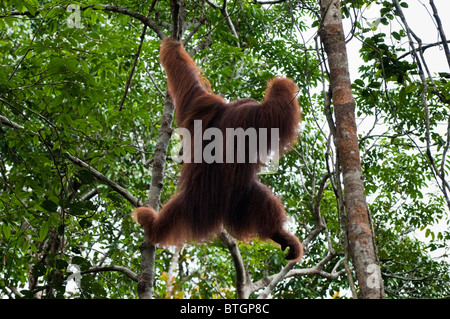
x=358, y=224
x=147, y=271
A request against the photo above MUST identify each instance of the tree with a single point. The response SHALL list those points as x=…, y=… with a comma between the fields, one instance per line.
x=86, y=134
x=357, y=221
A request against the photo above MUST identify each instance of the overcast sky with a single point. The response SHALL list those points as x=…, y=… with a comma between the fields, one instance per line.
x=422, y=24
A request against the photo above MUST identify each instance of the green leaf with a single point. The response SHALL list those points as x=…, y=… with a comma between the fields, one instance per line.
x=61, y=264
x=83, y=263
x=6, y=230
x=35, y=140
x=396, y=35
x=84, y=66
x=49, y=205
x=43, y=231
x=402, y=96
x=30, y=5
x=39, y=270
x=359, y=82
x=52, y=12
x=129, y=149
x=85, y=176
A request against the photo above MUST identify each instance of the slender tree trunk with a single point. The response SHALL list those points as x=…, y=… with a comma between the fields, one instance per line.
x=147, y=272
x=358, y=227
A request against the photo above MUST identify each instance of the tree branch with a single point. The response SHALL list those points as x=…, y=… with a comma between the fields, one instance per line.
x=359, y=229
x=147, y=270
x=424, y=47
x=145, y=20
x=133, y=67
x=223, y=9
x=276, y=279
x=242, y=278
x=288, y=272
x=441, y=31
x=170, y=273
x=128, y=272
x=122, y=191
x=421, y=64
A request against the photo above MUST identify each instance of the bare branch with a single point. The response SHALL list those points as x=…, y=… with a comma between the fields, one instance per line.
x=160, y=155
x=145, y=20
x=223, y=9
x=170, y=273
x=268, y=2
x=128, y=272
x=320, y=223
x=149, y=74
x=276, y=279
x=242, y=278
x=427, y=46
x=421, y=64
x=288, y=272
x=441, y=31
x=201, y=46
x=133, y=67
x=199, y=23
x=122, y=191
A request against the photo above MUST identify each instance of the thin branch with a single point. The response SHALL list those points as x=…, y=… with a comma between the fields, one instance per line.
x=242, y=279
x=199, y=23
x=122, y=191
x=223, y=9
x=128, y=272
x=268, y=2
x=171, y=272
x=288, y=272
x=441, y=31
x=444, y=159
x=421, y=65
x=145, y=20
x=149, y=74
x=320, y=223
x=133, y=67
x=201, y=46
x=119, y=189
x=408, y=278
x=427, y=46
x=276, y=279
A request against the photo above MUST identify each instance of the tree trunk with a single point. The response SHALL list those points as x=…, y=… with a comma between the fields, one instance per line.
x=147, y=271
x=358, y=226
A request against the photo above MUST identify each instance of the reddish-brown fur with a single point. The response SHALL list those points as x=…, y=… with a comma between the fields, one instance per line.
x=212, y=196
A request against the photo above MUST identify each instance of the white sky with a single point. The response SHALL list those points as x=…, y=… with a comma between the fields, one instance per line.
x=422, y=24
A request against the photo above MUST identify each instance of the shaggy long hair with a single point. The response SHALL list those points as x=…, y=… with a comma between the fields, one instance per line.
x=223, y=193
